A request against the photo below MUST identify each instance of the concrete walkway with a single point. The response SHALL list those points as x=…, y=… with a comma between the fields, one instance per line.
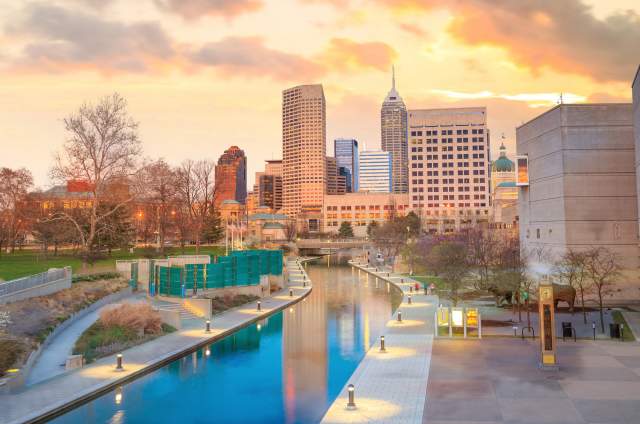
x=391, y=387
x=41, y=400
x=52, y=359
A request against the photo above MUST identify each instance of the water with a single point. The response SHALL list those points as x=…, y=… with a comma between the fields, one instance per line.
x=287, y=369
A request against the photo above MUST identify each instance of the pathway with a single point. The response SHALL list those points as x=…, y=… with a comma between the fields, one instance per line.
x=53, y=358
x=40, y=400
x=492, y=381
x=391, y=387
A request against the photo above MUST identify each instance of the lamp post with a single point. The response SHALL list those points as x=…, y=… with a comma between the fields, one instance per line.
x=351, y=390
x=207, y=326
x=399, y=316
x=259, y=306
x=119, y=362
x=382, y=347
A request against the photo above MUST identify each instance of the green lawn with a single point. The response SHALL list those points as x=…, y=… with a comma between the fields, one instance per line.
x=28, y=262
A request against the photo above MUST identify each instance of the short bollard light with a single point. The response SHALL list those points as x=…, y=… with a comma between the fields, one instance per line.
x=593, y=327
x=259, y=306
x=304, y=283
x=207, y=327
x=399, y=316
x=621, y=332
x=515, y=330
x=290, y=292
x=382, y=347
x=409, y=299
x=119, y=362
x=352, y=395
x=410, y=289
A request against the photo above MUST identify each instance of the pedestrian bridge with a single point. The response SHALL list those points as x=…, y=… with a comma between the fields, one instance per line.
x=327, y=247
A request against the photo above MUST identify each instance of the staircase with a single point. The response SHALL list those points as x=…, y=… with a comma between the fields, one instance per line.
x=174, y=306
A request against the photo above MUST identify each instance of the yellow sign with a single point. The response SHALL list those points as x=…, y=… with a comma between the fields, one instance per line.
x=472, y=317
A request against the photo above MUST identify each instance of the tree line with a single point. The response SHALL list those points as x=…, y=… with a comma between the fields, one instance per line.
x=120, y=193
x=486, y=260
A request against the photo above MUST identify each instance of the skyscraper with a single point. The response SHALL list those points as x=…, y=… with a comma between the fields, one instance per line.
x=336, y=182
x=393, y=129
x=346, y=153
x=449, y=165
x=231, y=176
x=303, y=152
x=375, y=171
x=268, y=185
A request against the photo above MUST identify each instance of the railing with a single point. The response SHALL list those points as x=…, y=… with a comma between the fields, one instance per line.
x=33, y=281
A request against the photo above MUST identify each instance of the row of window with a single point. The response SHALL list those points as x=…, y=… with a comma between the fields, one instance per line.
x=446, y=132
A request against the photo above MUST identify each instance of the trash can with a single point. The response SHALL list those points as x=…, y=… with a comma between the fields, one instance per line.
x=614, y=331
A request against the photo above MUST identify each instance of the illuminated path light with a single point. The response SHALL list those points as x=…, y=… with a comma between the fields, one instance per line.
x=401, y=398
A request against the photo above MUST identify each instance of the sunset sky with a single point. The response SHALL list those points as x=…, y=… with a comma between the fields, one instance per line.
x=202, y=75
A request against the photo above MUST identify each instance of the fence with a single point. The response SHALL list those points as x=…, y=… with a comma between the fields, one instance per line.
x=241, y=268
x=48, y=282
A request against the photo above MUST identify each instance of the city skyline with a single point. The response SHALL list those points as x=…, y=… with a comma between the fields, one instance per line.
x=176, y=59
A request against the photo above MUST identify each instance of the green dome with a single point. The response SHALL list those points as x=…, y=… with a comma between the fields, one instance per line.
x=503, y=163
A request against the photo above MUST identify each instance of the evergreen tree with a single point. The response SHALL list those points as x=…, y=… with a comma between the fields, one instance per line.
x=345, y=230
x=212, y=230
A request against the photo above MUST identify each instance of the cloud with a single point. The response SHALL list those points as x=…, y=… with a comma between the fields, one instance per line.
x=193, y=9
x=562, y=35
x=532, y=99
x=343, y=53
x=62, y=38
x=248, y=56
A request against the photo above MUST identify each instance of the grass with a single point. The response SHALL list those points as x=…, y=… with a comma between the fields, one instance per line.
x=29, y=262
x=221, y=304
x=627, y=334
x=98, y=341
x=10, y=351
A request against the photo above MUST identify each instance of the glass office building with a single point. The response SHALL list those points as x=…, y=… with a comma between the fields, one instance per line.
x=346, y=154
x=375, y=171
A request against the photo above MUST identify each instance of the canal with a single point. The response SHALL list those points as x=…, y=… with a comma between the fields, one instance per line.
x=287, y=368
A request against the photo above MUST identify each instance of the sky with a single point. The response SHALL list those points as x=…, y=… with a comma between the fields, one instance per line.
x=202, y=75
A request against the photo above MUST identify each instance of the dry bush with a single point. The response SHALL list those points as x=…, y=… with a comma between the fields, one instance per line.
x=139, y=317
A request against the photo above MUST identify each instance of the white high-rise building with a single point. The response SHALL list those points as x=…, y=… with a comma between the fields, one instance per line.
x=375, y=171
x=449, y=175
x=393, y=130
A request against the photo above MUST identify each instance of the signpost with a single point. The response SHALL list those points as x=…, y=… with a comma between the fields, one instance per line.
x=546, y=311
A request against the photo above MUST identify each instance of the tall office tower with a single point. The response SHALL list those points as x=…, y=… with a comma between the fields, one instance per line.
x=393, y=128
x=346, y=153
x=268, y=185
x=635, y=90
x=336, y=183
x=449, y=167
x=231, y=176
x=303, y=152
x=375, y=171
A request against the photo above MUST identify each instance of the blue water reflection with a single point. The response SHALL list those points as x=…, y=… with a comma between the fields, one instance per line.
x=287, y=368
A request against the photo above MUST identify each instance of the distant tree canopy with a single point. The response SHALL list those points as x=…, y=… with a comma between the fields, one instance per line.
x=345, y=230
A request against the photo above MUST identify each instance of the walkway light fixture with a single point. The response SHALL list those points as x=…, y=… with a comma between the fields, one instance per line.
x=382, y=348
x=119, y=362
x=410, y=289
x=409, y=299
x=259, y=306
x=290, y=292
x=351, y=390
x=207, y=326
x=399, y=316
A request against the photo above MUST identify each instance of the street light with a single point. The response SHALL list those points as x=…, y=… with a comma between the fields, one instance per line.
x=351, y=390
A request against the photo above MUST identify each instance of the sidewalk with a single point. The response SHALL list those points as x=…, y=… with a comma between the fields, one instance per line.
x=42, y=399
x=52, y=360
x=391, y=387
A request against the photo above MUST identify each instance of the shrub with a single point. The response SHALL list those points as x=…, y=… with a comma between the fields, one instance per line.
x=137, y=317
x=10, y=351
x=95, y=277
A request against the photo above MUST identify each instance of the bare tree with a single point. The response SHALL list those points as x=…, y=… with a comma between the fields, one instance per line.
x=290, y=229
x=160, y=190
x=197, y=190
x=571, y=268
x=602, y=268
x=450, y=260
x=101, y=152
x=482, y=247
x=14, y=187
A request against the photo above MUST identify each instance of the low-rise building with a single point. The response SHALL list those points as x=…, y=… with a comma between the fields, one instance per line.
x=360, y=209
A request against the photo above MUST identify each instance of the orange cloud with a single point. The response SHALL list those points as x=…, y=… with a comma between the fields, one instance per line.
x=193, y=9
x=561, y=35
x=343, y=53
